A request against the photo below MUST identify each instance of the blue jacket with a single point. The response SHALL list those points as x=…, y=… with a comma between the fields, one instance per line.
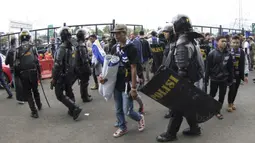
x=139, y=47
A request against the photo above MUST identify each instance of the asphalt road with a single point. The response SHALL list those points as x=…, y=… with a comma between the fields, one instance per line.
x=55, y=126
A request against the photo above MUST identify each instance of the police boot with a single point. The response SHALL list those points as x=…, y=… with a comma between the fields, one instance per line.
x=194, y=129
x=172, y=129
x=168, y=115
x=34, y=114
x=74, y=110
x=76, y=113
x=84, y=93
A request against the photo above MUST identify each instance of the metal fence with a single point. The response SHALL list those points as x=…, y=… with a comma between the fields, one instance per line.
x=47, y=33
x=220, y=30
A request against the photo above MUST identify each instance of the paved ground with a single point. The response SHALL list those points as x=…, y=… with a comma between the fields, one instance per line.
x=55, y=126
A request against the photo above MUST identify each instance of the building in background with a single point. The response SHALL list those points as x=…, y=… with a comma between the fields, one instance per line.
x=15, y=26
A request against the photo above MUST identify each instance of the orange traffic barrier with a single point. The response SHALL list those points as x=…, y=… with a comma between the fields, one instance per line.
x=46, y=68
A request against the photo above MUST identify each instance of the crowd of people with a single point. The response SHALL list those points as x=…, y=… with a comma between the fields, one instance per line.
x=222, y=62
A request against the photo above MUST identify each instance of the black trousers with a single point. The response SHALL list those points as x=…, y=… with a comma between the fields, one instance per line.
x=176, y=121
x=233, y=89
x=222, y=86
x=68, y=98
x=84, y=83
x=29, y=80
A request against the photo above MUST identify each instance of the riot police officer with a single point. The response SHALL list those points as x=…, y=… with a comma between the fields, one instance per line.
x=28, y=70
x=157, y=48
x=63, y=72
x=169, y=36
x=82, y=69
x=183, y=58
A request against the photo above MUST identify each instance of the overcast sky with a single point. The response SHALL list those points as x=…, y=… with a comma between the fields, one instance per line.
x=149, y=13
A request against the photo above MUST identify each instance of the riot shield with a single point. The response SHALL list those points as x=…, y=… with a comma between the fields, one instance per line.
x=19, y=90
x=178, y=94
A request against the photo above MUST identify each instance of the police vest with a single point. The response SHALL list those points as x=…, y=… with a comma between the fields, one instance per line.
x=26, y=57
x=156, y=47
x=82, y=59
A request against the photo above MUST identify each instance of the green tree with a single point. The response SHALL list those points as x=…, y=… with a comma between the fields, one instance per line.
x=91, y=30
x=76, y=29
x=4, y=41
x=107, y=29
x=100, y=32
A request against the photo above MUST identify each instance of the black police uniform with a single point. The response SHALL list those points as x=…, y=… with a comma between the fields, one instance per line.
x=63, y=72
x=27, y=68
x=181, y=63
x=83, y=70
x=157, y=49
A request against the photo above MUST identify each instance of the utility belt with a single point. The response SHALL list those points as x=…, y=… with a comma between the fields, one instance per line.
x=29, y=70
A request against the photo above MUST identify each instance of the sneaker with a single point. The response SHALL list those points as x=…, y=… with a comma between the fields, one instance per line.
x=233, y=107
x=9, y=97
x=120, y=133
x=95, y=87
x=141, y=124
x=21, y=102
x=230, y=109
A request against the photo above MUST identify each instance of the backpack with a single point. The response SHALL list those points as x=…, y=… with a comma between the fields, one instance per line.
x=145, y=48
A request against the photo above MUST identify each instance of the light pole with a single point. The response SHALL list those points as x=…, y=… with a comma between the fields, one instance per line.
x=240, y=14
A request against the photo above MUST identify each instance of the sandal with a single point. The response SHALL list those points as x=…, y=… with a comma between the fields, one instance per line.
x=233, y=107
x=219, y=116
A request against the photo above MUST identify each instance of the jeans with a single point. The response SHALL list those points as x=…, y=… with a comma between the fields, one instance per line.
x=124, y=106
x=4, y=84
x=146, y=65
x=13, y=80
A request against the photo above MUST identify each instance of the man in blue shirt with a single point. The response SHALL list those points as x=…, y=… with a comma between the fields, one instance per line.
x=135, y=40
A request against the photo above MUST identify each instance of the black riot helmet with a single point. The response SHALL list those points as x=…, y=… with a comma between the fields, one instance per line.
x=65, y=34
x=168, y=28
x=24, y=36
x=81, y=35
x=13, y=40
x=181, y=24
